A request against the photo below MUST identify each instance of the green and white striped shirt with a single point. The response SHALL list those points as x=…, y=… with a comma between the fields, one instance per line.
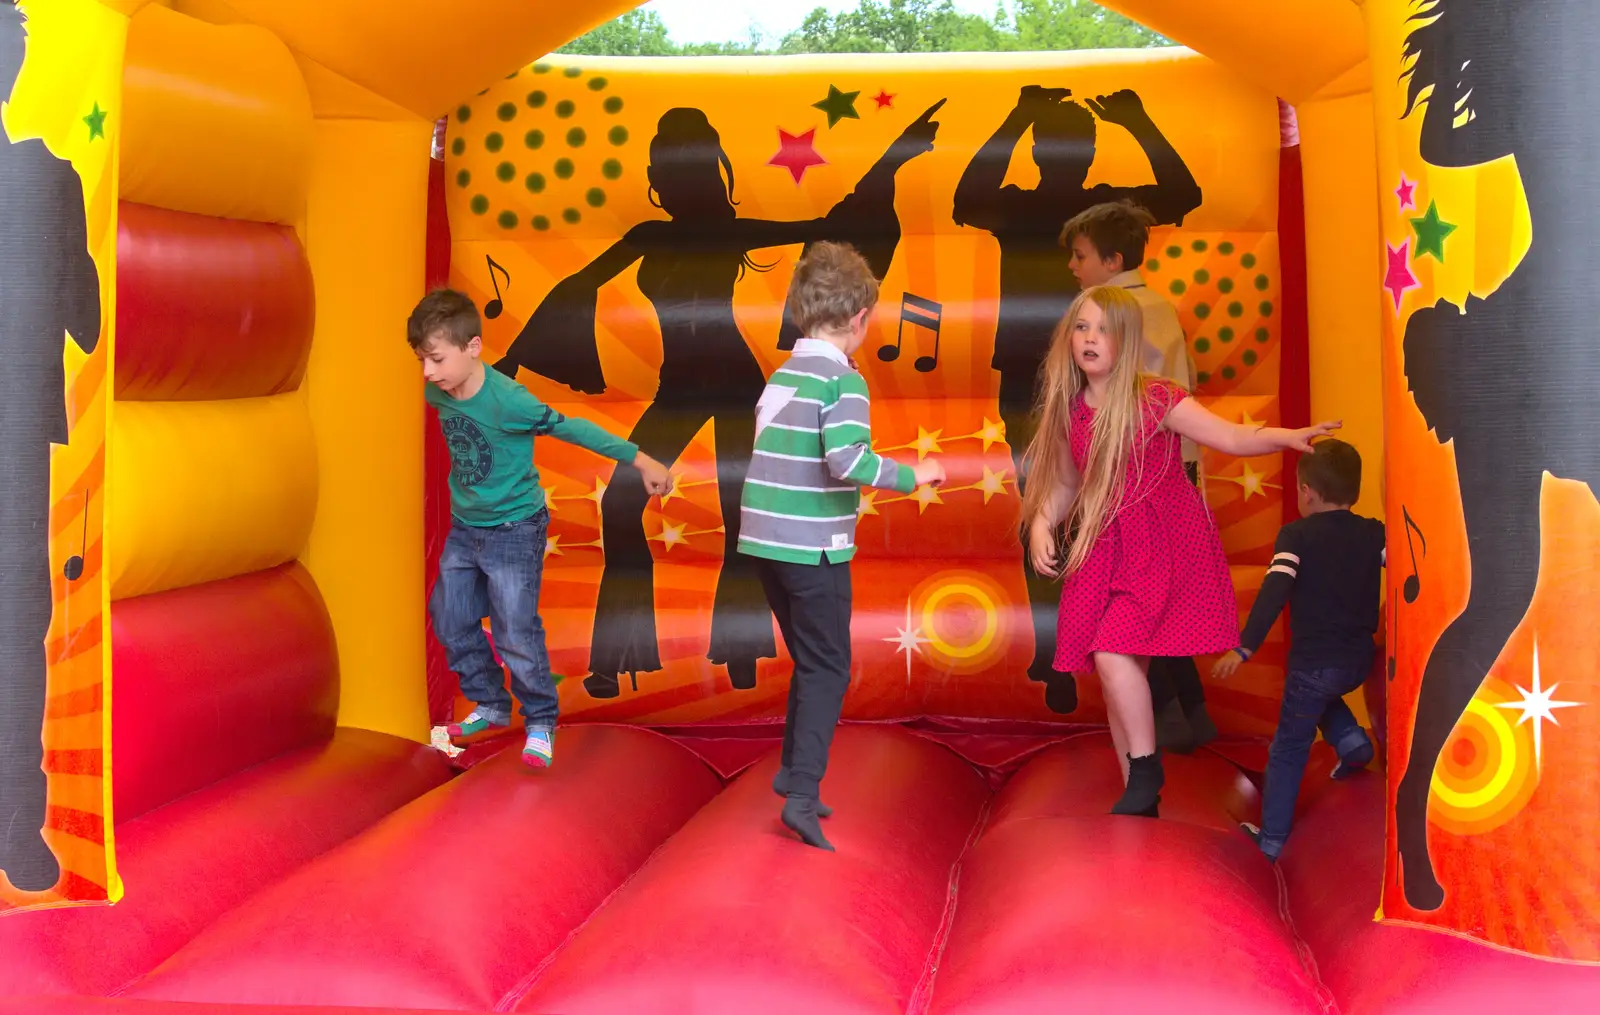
x=813, y=453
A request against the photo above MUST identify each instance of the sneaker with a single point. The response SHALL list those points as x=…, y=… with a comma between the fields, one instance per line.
x=539, y=750
x=1254, y=832
x=475, y=724
x=1355, y=762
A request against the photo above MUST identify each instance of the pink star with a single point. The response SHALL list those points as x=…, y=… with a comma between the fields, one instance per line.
x=1399, y=279
x=1404, y=193
x=797, y=153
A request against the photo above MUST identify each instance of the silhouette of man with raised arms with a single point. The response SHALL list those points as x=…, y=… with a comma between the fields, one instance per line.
x=1036, y=285
x=48, y=288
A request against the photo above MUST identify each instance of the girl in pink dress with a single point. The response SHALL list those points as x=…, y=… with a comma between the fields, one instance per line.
x=1110, y=511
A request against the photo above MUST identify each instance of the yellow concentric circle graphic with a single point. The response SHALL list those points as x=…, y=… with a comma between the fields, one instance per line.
x=963, y=618
x=1486, y=773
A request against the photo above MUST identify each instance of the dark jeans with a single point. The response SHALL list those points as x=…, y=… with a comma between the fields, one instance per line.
x=495, y=572
x=1312, y=700
x=812, y=604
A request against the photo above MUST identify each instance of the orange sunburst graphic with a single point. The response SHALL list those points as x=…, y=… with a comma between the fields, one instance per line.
x=1488, y=770
x=959, y=619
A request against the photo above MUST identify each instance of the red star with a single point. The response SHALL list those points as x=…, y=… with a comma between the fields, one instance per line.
x=1399, y=279
x=797, y=153
x=884, y=99
x=1404, y=193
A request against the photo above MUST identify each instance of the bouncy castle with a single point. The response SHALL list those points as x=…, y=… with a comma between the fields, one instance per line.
x=224, y=500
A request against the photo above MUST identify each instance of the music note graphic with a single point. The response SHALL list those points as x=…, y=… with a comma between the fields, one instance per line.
x=1413, y=583
x=72, y=570
x=922, y=313
x=494, y=307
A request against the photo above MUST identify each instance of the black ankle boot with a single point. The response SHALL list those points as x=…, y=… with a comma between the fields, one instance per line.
x=800, y=817
x=1143, y=795
x=780, y=786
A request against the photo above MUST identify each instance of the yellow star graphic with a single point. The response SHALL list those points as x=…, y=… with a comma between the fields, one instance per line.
x=924, y=496
x=992, y=433
x=992, y=483
x=1245, y=419
x=1252, y=481
x=670, y=536
x=867, y=507
x=552, y=547
x=927, y=443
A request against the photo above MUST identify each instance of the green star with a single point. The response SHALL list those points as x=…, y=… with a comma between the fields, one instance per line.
x=838, y=105
x=97, y=123
x=1431, y=231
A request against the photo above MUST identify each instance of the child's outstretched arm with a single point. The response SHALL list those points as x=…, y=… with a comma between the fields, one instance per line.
x=1042, y=528
x=1275, y=589
x=547, y=422
x=847, y=444
x=1192, y=420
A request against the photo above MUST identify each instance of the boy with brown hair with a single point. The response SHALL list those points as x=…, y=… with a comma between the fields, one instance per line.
x=813, y=453
x=1328, y=567
x=493, y=560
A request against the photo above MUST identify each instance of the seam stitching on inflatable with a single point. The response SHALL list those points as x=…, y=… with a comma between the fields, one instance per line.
x=523, y=986
x=1308, y=959
x=922, y=995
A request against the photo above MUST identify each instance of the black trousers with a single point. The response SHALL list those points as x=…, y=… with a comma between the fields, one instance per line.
x=812, y=604
x=24, y=622
x=1177, y=677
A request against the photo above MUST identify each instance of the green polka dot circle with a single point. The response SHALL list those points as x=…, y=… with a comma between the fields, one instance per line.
x=597, y=84
x=535, y=182
x=494, y=141
x=611, y=169
x=1202, y=310
x=1174, y=251
x=613, y=104
x=564, y=169
x=479, y=205
x=570, y=216
x=576, y=137
x=507, y=111
x=617, y=135
x=1201, y=276
x=1248, y=260
x=507, y=220
x=534, y=139
x=1177, y=287
x=541, y=223
x=1225, y=333
x=1249, y=357
x=537, y=99
x=565, y=108
x=595, y=197
x=1224, y=285
x=505, y=172
x=463, y=177
x=1202, y=345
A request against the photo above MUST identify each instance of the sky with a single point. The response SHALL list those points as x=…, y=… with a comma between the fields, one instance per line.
x=729, y=20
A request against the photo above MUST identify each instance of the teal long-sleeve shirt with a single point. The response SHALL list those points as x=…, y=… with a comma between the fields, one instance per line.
x=493, y=478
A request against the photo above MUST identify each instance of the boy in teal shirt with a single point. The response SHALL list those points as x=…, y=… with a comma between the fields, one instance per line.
x=494, y=558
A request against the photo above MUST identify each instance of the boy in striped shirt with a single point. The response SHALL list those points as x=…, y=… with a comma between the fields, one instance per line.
x=813, y=453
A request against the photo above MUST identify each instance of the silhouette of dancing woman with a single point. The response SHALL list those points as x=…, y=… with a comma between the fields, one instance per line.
x=1511, y=382
x=48, y=286
x=1036, y=285
x=688, y=265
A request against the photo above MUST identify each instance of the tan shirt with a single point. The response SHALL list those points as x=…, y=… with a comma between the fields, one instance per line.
x=1166, y=350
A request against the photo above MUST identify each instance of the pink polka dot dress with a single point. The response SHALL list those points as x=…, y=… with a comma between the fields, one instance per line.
x=1156, y=582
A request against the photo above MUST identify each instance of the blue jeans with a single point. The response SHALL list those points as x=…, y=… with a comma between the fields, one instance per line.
x=495, y=572
x=1312, y=700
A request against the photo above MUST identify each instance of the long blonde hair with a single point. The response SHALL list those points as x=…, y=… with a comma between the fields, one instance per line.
x=1114, y=434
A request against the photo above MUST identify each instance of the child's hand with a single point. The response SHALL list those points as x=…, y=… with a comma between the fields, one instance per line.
x=657, y=478
x=1224, y=667
x=1042, y=548
x=1300, y=440
x=928, y=473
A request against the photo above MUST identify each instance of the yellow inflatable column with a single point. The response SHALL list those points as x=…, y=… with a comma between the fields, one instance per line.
x=1339, y=160
x=366, y=226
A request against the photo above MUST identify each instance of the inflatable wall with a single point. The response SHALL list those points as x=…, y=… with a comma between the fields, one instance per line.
x=630, y=227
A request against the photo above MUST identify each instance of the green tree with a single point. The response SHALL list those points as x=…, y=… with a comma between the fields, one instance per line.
x=894, y=26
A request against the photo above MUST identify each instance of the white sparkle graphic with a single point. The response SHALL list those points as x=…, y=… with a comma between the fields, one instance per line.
x=1538, y=706
x=909, y=641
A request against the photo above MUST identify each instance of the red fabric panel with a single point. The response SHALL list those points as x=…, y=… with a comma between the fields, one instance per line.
x=442, y=686
x=367, y=924
x=208, y=307
x=1333, y=867
x=1081, y=778
x=1294, y=369
x=735, y=915
x=189, y=862
x=121, y=1006
x=214, y=678
x=1124, y=915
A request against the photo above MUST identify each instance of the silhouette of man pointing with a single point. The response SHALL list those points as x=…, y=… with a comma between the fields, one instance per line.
x=48, y=288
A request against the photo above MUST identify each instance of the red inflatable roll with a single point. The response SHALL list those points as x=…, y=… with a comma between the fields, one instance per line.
x=189, y=862
x=735, y=915
x=1080, y=778
x=209, y=308
x=214, y=678
x=1124, y=915
x=456, y=898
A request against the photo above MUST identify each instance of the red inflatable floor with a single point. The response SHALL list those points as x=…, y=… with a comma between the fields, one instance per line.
x=629, y=879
